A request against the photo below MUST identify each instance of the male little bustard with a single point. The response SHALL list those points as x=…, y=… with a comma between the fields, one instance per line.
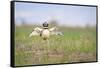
x=45, y=32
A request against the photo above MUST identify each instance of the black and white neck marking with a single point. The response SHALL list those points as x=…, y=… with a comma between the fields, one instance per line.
x=45, y=27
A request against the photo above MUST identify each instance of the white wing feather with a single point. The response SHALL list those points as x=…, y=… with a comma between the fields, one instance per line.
x=37, y=29
x=35, y=32
x=52, y=29
x=57, y=33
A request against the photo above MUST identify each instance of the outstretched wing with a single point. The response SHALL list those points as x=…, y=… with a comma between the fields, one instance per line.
x=54, y=31
x=36, y=32
x=57, y=33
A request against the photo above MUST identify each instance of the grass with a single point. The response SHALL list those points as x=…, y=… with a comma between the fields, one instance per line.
x=77, y=45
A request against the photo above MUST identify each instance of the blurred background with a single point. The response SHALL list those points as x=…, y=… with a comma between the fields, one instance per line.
x=62, y=15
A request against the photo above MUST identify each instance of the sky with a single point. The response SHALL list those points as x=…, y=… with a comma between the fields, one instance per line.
x=70, y=15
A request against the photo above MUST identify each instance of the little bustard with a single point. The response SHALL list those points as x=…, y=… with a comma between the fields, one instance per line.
x=45, y=32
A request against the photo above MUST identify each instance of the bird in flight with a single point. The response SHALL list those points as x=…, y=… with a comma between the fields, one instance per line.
x=45, y=32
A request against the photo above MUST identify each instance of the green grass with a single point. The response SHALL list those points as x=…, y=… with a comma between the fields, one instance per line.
x=77, y=45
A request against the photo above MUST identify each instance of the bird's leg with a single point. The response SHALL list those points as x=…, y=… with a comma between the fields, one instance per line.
x=48, y=45
x=47, y=42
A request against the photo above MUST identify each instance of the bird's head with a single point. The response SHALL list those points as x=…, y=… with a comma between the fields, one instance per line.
x=45, y=24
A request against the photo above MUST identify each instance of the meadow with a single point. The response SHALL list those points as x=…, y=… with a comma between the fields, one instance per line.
x=76, y=45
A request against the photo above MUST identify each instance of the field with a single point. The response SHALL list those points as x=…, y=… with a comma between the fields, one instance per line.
x=77, y=45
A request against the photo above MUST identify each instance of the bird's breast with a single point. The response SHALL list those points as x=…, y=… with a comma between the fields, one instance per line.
x=45, y=33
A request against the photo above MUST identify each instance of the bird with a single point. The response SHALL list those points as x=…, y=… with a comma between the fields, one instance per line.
x=45, y=32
